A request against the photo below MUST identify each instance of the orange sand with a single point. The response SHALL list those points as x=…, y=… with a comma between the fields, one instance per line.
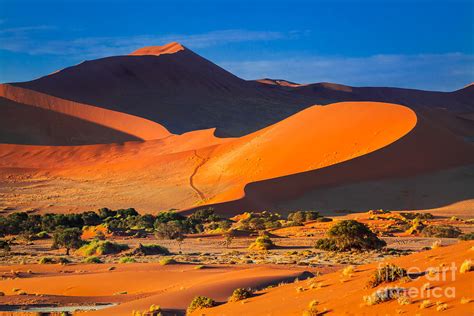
x=196, y=168
x=169, y=48
x=343, y=296
x=171, y=287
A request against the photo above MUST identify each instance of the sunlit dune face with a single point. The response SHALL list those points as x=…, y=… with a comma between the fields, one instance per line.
x=314, y=138
x=169, y=48
x=197, y=168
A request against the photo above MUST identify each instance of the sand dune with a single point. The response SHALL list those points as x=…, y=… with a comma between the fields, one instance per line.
x=68, y=122
x=182, y=91
x=286, y=300
x=171, y=287
x=196, y=168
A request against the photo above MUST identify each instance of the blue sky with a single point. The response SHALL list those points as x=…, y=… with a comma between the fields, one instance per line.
x=419, y=43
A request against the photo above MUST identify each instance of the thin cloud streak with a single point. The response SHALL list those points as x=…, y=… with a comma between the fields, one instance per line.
x=444, y=72
x=17, y=40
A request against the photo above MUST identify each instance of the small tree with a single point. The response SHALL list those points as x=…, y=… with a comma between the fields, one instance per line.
x=173, y=230
x=350, y=234
x=69, y=238
x=229, y=237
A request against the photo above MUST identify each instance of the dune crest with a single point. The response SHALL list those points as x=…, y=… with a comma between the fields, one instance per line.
x=169, y=48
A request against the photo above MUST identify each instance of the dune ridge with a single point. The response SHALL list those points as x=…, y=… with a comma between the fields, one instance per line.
x=169, y=48
x=141, y=128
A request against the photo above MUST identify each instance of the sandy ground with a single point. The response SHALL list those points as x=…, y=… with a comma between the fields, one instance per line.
x=340, y=295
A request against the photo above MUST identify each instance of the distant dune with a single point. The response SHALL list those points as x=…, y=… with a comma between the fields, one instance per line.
x=145, y=131
x=179, y=89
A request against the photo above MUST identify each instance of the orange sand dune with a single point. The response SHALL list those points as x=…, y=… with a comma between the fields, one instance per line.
x=171, y=286
x=140, y=128
x=169, y=48
x=196, y=168
x=343, y=295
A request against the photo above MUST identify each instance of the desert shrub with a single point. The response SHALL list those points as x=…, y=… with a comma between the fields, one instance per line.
x=468, y=236
x=91, y=218
x=312, y=309
x=170, y=230
x=300, y=217
x=63, y=260
x=69, y=238
x=416, y=227
x=205, y=216
x=466, y=266
x=350, y=234
x=240, y=294
x=260, y=221
x=127, y=260
x=101, y=247
x=42, y=235
x=46, y=260
x=442, y=231
x=384, y=295
x=413, y=215
x=262, y=243
x=151, y=249
x=386, y=273
x=168, y=216
x=93, y=259
x=327, y=244
x=4, y=245
x=200, y=302
x=167, y=261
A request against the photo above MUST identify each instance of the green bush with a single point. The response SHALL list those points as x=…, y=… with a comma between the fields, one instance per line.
x=240, y=294
x=93, y=259
x=200, y=302
x=326, y=244
x=468, y=236
x=127, y=260
x=151, y=249
x=442, y=231
x=300, y=217
x=167, y=261
x=386, y=273
x=262, y=243
x=101, y=247
x=4, y=245
x=350, y=234
x=46, y=260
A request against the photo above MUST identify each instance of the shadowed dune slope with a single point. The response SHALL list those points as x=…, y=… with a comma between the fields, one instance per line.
x=35, y=118
x=196, y=168
x=427, y=148
x=182, y=91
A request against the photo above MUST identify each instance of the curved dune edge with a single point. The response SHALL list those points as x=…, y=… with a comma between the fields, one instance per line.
x=312, y=139
x=126, y=123
x=197, y=168
x=171, y=286
x=346, y=298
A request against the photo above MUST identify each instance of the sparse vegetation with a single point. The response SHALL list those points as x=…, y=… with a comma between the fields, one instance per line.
x=383, y=295
x=200, y=302
x=441, y=231
x=466, y=266
x=100, y=247
x=350, y=234
x=127, y=260
x=167, y=261
x=240, y=294
x=386, y=273
x=468, y=236
x=93, y=259
x=262, y=243
x=312, y=309
x=150, y=249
